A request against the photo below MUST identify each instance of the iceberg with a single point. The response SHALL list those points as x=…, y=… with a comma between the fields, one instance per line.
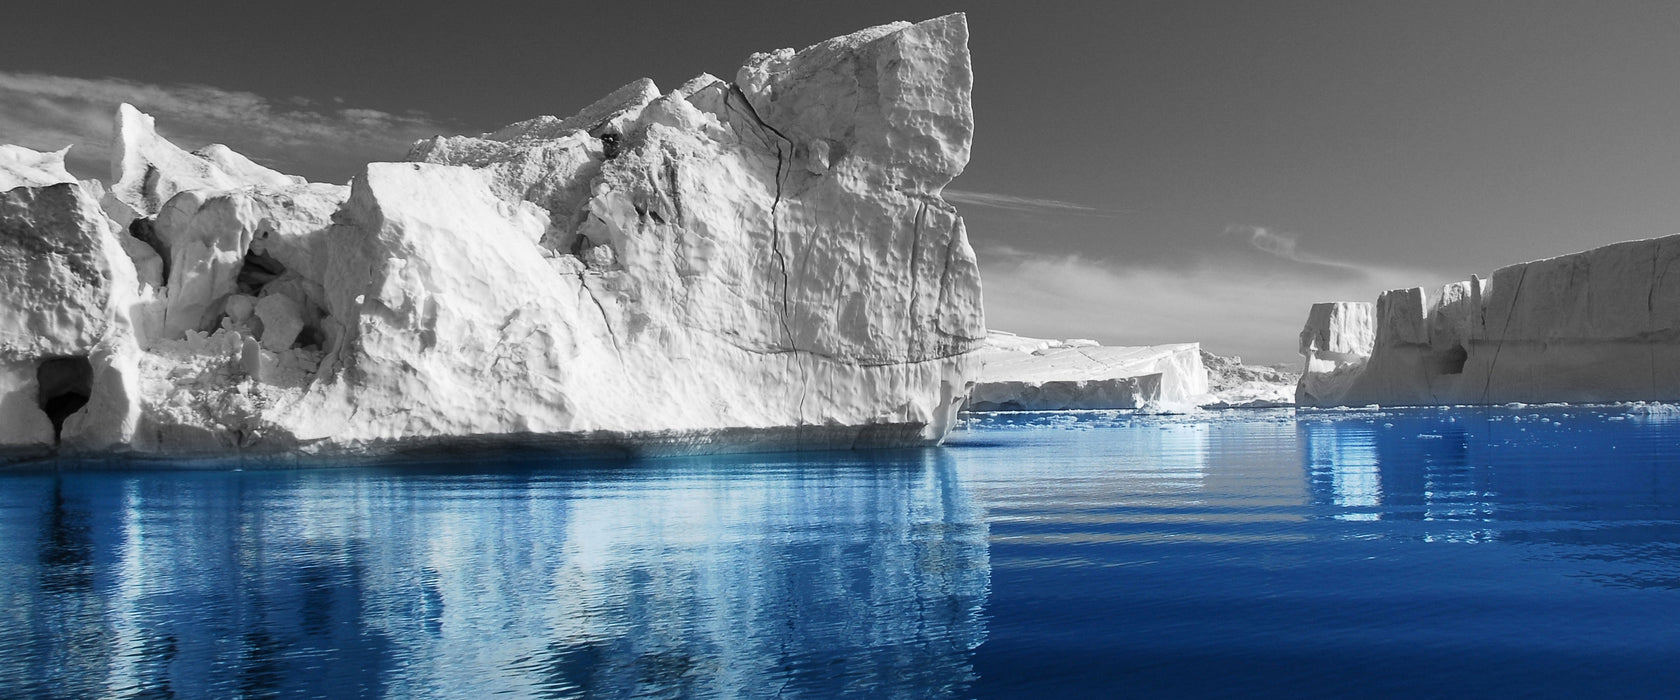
x=1032, y=374
x=766, y=263
x=1601, y=325
x=1336, y=342
x=1232, y=384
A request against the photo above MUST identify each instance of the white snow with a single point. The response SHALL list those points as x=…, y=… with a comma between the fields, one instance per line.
x=660, y=272
x=23, y=167
x=149, y=170
x=1597, y=326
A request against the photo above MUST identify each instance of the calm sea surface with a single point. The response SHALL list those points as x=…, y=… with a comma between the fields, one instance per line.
x=1504, y=552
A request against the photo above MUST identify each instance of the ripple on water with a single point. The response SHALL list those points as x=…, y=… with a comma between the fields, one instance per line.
x=1504, y=551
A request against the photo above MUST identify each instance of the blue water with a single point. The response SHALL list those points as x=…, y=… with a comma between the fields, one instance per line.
x=1524, y=551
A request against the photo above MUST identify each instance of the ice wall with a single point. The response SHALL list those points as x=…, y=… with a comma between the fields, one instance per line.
x=1336, y=342
x=67, y=346
x=1596, y=326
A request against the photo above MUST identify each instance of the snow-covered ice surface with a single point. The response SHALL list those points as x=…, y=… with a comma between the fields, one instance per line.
x=23, y=167
x=1597, y=326
x=758, y=264
x=149, y=170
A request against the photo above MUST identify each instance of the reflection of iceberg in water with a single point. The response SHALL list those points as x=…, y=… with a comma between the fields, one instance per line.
x=1367, y=471
x=1137, y=484
x=1579, y=483
x=1166, y=462
x=716, y=584
x=1345, y=462
x=193, y=587
x=1181, y=457
x=1161, y=464
x=863, y=574
x=47, y=555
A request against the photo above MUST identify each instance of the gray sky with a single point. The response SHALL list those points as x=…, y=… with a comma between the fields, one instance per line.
x=1142, y=172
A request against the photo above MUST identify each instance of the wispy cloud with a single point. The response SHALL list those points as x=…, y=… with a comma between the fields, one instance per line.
x=1223, y=299
x=1028, y=204
x=1284, y=245
x=295, y=135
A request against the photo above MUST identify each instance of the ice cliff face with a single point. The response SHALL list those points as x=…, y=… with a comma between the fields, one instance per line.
x=1336, y=343
x=764, y=263
x=1601, y=325
x=67, y=347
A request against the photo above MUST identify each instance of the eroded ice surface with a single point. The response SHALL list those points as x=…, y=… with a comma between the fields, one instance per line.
x=764, y=263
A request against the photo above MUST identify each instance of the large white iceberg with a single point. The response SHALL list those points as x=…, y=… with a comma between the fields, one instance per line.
x=1597, y=326
x=761, y=264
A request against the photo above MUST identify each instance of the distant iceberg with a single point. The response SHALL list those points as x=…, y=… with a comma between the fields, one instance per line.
x=1018, y=373
x=1033, y=374
x=1592, y=327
